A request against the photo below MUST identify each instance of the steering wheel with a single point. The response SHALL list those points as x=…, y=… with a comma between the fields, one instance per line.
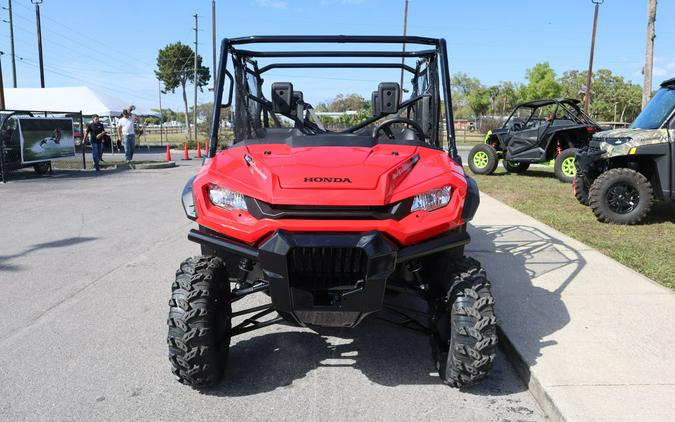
x=517, y=125
x=384, y=126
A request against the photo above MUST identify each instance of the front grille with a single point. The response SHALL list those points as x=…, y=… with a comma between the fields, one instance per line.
x=320, y=269
x=594, y=146
x=396, y=211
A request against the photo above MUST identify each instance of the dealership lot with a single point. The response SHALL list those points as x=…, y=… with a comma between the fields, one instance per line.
x=86, y=263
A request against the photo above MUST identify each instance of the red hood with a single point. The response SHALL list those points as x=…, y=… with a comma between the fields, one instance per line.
x=330, y=175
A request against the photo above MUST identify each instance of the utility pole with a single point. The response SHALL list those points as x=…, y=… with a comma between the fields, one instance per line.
x=649, y=53
x=405, y=32
x=587, y=97
x=2, y=87
x=213, y=30
x=37, y=4
x=11, y=40
x=161, y=115
x=194, y=111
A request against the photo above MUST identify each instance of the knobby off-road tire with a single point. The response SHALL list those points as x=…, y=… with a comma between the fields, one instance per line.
x=483, y=159
x=621, y=196
x=199, y=321
x=580, y=188
x=515, y=166
x=564, y=165
x=466, y=338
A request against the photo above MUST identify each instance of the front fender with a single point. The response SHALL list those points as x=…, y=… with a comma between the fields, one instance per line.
x=488, y=135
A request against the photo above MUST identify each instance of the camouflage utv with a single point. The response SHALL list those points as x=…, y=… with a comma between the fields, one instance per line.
x=623, y=171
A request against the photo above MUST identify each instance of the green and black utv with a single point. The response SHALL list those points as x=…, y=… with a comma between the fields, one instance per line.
x=536, y=132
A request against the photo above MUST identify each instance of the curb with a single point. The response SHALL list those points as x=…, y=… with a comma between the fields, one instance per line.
x=535, y=388
x=151, y=166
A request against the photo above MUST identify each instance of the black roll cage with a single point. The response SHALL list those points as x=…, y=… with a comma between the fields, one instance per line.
x=561, y=103
x=229, y=47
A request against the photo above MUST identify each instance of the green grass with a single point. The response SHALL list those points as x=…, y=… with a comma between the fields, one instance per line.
x=647, y=248
x=178, y=139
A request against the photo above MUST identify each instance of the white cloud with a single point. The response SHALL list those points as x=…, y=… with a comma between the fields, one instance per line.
x=665, y=68
x=272, y=4
x=659, y=71
x=344, y=2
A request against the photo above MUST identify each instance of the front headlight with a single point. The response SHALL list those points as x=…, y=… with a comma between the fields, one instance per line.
x=432, y=200
x=617, y=141
x=225, y=198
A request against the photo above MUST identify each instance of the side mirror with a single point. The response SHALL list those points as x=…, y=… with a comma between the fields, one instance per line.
x=389, y=94
x=230, y=89
x=282, y=97
x=375, y=104
x=299, y=103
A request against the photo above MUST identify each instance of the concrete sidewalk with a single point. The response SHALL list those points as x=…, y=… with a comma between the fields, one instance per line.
x=595, y=339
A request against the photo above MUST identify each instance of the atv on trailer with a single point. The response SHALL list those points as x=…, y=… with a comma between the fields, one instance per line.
x=333, y=226
x=622, y=171
x=536, y=132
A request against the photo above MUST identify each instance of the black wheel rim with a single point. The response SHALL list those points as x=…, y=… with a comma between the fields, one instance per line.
x=622, y=198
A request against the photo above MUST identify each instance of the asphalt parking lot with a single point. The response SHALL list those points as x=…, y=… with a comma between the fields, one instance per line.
x=86, y=264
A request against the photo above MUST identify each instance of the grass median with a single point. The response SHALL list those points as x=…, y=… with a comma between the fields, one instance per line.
x=647, y=248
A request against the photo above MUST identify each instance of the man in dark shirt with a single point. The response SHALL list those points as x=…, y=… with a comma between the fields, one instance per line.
x=96, y=132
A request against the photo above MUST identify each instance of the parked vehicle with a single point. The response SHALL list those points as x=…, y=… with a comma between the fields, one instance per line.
x=333, y=226
x=536, y=132
x=10, y=145
x=623, y=171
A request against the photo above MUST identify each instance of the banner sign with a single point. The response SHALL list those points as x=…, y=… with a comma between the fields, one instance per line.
x=45, y=139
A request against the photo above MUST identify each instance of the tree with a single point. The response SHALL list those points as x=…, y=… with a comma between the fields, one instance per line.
x=541, y=83
x=462, y=84
x=507, y=97
x=168, y=115
x=175, y=67
x=478, y=101
x=573, y=84
x=351, y=102
x=612, y=98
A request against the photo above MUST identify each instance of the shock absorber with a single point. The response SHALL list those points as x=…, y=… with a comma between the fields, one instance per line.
x=414, y=267
x=245, y=267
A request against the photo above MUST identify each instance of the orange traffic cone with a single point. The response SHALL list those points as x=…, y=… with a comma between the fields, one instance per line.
x=168, y=153
x=199, y=150
x=185, y=153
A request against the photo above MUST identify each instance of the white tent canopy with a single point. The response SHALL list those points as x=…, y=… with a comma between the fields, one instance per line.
x=74, y=98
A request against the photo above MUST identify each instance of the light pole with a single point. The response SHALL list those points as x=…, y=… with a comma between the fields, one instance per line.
x=587, y=97
x=194, y=111
x=649, y=53
x=2, y=86
x=213, y=42
x=11, y=39
x=161, y=115
x=405, y=32
x=37, y=4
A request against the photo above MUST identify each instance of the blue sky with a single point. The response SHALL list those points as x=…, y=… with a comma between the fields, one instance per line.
x=112, y=46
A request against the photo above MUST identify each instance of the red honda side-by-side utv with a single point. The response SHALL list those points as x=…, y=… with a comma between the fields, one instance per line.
x=333, y=225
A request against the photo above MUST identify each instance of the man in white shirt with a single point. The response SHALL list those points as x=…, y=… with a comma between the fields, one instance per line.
x=125, y=130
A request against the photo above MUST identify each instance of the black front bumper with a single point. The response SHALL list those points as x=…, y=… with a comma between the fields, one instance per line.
x=328, y=279
x=589, y=162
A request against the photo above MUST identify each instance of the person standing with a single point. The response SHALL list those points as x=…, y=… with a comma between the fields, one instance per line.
x=126, y=131
x=96, y=132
